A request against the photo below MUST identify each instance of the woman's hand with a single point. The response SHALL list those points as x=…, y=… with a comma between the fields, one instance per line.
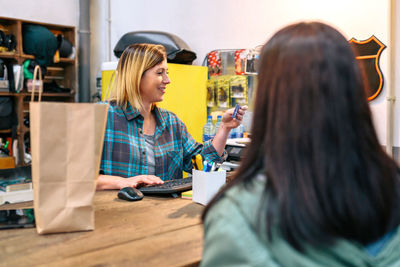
x=136, y=181
x=229, y=122
x=117, y=182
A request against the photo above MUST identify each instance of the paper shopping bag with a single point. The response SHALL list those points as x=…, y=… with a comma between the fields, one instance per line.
x=66, y=146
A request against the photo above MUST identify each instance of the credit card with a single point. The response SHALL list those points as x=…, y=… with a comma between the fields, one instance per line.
x=237, y=107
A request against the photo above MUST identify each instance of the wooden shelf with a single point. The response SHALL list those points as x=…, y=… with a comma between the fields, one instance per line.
x=63, y=72
x=62, y=60
x=8, y=55
x=6, y=94
x=67, y=60
x=43, y=94
x=5, y=131
x=52, y=68
x=25, y=56
x=53, y=78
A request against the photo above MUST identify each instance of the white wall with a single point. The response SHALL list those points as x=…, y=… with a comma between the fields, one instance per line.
x=206, y=25
x=396, y=72
x=228, y=24
x=64, y=12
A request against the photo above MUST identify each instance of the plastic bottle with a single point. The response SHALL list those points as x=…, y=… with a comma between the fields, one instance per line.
x=208, y=129
x=233, y=133
x=219, y=118
x=240, y=131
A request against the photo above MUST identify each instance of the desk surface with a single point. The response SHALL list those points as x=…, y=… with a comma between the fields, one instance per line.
x=154, y=231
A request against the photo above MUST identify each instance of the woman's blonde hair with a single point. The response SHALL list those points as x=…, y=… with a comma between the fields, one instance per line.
x=134, y=62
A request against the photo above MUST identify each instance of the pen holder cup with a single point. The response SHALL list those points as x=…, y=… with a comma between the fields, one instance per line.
x=206, y=184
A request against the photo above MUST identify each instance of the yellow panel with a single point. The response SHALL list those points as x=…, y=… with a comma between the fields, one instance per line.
x=185, y=95
x=107, y=74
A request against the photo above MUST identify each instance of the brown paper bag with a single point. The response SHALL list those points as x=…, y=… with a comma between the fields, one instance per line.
x=66, y=145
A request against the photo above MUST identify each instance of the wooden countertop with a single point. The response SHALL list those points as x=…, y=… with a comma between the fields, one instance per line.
x=156, y=231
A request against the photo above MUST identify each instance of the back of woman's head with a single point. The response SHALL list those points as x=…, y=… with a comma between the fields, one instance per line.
x=310, y=90
x=312, y=135
x=134, y=62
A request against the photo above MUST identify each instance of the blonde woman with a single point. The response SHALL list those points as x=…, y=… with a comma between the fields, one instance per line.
x=145, y=144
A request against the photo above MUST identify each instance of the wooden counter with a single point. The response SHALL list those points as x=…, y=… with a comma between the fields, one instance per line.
x=156, y=231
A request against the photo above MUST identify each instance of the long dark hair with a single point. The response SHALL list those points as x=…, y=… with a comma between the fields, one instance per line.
x=313, y=138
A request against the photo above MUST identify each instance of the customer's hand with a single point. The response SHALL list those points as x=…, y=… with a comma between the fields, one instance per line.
x=230, y=122
x=139, y=180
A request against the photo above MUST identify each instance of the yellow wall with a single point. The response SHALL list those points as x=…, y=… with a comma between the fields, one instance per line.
x=185, y=95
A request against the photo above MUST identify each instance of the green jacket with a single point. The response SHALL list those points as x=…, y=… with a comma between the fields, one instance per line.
x=231, y=238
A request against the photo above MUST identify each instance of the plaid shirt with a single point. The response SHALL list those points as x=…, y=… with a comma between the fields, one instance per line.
x=124, y=151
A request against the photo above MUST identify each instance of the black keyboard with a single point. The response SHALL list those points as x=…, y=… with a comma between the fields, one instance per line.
x=169, y=187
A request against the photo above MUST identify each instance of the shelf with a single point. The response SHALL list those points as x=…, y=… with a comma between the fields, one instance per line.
x=64, y=72
x=67, y=60
x=54, y=94
x=6, y=94
x=6, y=131
x=8, y=55
x=53, y=77
x=28, y=56
x=62, y=60
x=52, y=68
x=43, y=94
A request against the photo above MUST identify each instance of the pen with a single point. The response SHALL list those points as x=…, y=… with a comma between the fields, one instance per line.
x=214, y=167
x=206, y=166
x=237, y=107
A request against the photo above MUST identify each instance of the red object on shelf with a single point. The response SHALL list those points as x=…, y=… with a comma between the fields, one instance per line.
x=214, y=63
x=240, y=61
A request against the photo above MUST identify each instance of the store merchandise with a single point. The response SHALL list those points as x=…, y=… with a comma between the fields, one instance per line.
x=64, y=46
x=214, y=63
x=238, y=90
x=240, y=131
x=240, y=61
x=233, y=76
x=208, y=129
x=233, y=134
x=223, y=95
x=219, y=118
x=8, y=42
x=252, y=59
x=237, y=132
x=177, y=50
x=40, y=42
x=211, y=92
x=8, y=117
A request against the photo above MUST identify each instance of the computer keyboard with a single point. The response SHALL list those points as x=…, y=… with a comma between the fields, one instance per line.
x=169, y=187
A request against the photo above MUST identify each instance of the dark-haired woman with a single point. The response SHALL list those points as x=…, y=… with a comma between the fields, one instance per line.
x=315, y=187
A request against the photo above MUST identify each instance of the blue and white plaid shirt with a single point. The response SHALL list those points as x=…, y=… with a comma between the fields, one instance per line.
x=124, y=151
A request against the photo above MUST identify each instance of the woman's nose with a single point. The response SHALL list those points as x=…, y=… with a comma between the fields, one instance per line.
x=166, y=79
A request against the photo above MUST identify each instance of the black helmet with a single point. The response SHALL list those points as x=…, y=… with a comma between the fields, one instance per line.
x=177, y=50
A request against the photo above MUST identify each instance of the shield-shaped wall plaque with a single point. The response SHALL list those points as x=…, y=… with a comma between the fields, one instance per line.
x=368, y=53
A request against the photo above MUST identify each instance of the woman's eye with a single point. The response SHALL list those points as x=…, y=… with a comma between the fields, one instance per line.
x=161, y=72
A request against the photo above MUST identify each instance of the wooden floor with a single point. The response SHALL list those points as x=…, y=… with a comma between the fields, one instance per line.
x=156, y=231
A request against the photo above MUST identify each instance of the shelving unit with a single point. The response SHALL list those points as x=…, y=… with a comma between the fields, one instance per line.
x=64, y=73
